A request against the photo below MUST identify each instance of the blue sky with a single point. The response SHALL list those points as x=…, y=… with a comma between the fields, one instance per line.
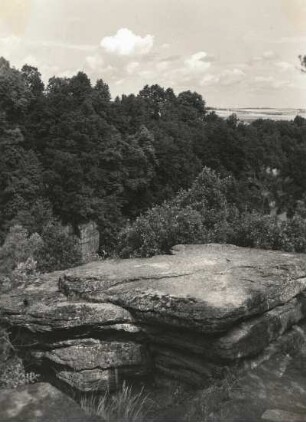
x=241, y=53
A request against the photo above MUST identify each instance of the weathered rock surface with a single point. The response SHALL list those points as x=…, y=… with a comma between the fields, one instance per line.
x=89, y=364
x=191, y=315
x=207, y=288
x=274, y=391
x=40, y=312
x=246, y=339
x=40, y=402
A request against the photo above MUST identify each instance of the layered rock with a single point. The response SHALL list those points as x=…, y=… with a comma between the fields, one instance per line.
x=91, y=364
x=85, y=345
x=192, y=315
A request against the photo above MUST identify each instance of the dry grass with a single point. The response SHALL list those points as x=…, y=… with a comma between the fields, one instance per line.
x=124, y=405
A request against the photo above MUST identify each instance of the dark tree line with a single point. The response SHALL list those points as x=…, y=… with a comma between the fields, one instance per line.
x=68, y=151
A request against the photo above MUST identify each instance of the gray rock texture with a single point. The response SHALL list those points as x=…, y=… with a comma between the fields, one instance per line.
x=40, y=402
x=192, y=315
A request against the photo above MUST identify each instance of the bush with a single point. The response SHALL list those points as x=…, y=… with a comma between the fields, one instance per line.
x=198, y=215
x=18, y=247
x=22, y=257
x=293, y=235
x=17, y=263
x=159, y=229
x=12, y=371
x=59, y=249
x=256, y=231
x=206, y=213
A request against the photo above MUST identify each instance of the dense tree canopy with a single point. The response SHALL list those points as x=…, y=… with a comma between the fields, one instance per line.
x=68, y=151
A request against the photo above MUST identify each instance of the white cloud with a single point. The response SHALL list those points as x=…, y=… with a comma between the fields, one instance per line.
x=285, y=66
x=94, y=62
x=198, y=62
x=269, y=55
x=266, y=56
x=125, y=43
x=132, y=67
x=226, y=77
x=291, y=40
x=209, y=79
x=231, y=76
x=270, y=82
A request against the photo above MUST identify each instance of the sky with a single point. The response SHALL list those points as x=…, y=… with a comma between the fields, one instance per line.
x=235, y=53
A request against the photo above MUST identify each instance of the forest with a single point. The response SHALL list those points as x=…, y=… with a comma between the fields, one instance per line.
x=152, y=170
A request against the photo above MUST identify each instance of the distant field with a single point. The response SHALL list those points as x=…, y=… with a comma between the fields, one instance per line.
x=250, y=114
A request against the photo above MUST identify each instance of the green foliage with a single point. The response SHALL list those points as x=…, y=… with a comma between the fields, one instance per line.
x=18, y=248
x=159, y=229
x=23, y=256
x=70, y=152
x=59, y=249
x=124, y=405
x=12, y=370
x=13, y=374
x=198, y=215
x=205, y=213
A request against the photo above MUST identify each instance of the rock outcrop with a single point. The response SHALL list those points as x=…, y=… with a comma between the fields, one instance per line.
x=89, y=240
x=193, y=315
x=40, y=402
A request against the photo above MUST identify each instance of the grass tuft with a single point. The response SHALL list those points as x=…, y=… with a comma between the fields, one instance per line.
x=125, y=405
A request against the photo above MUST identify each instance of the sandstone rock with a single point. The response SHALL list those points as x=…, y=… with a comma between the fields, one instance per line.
x=251, y=337
x=246, y=339
x=40, y=312
x=201, y=372
x=89, y=239
x=90, y=364
x=200, y=311
x=206, y=288
x=40, y=403
x=80, y=354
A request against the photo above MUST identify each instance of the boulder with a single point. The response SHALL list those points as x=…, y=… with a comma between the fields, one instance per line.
x=40, y=402
x=190, y=315
x=231, y=284
x=204, y=288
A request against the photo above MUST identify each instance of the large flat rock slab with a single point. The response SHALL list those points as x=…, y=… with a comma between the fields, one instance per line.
x=206, y=288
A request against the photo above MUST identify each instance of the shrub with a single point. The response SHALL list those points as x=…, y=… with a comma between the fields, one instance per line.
x=12, y=371
x=293, y=235
x=22, y=257
x=207, y=213
x=159, y=229
x=18, y=247
x=59, y=250
x=17, y=265
x=13, y=374
x=198, y=215
x=266, y=232
x=256, y=231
